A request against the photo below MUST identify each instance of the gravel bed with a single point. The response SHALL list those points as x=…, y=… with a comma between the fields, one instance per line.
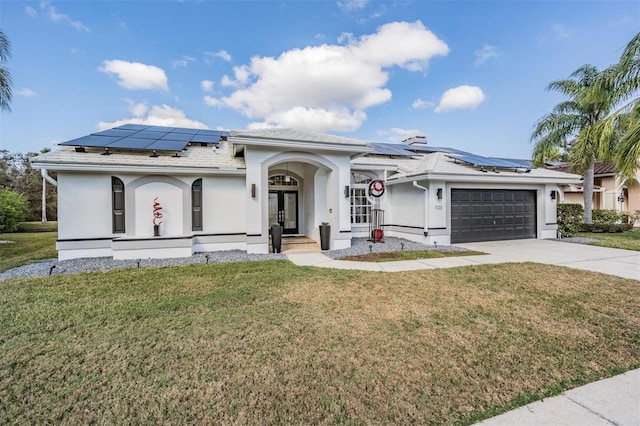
x=363, y=246
x=92, y=264
x=578, y=240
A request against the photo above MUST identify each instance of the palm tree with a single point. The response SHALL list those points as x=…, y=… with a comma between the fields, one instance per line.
x=623, y=80
x=588, y=102
x=5, y=77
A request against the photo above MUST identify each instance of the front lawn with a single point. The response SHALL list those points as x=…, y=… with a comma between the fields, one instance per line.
x=409, y=255
x=269, y=342
x=629, y=240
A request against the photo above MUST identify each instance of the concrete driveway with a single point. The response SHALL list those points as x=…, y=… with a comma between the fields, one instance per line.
x=622, y=263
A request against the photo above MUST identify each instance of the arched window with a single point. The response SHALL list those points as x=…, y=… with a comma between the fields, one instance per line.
x=360, y=206
x=283, y=180
x=196, y=205
x=117, y=198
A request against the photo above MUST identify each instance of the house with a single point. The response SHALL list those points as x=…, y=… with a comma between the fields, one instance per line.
x=610, y=191
x=210, y=190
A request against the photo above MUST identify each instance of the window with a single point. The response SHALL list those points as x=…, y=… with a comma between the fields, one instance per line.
x=360, y=206
x=196, y=205
x=117, y=197
x=283, y=180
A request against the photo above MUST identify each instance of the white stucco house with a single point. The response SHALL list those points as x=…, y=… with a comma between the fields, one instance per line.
x=222, y=191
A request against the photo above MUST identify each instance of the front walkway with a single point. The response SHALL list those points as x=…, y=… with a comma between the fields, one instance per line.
x=622, y=263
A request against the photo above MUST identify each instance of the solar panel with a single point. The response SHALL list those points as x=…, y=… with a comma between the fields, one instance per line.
x=130, y=143
x=148, y=134
x=174, y=136
x=148, y=138
x=167, y=145
x=391, y=149
x=91, y=141
x=132, y=127
x=205, y=138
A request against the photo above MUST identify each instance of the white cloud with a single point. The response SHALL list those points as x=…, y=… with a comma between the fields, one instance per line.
x=397, y=134
x=25, y=92
x=206, y=85
x=183, y=62
x=213, y=102
x=157, y=115
x=461, y=97
x=56, y=16
x=419, y=103
x=352, y=5
x=134, y=75
x=220, y=54
x=487, y=52
x=31, y=11
x=329, y=87
x=242, y=74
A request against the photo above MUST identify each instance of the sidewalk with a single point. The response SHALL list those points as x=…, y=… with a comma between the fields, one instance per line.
x=612, y=401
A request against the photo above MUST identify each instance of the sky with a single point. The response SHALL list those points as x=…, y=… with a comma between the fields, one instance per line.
x=467, y=75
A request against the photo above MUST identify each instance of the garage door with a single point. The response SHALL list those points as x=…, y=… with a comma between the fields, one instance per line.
x=496, y=214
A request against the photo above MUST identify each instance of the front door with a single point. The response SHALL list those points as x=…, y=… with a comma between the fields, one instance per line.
x=283, y=209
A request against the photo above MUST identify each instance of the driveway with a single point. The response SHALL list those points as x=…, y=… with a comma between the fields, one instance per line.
x=622, y=263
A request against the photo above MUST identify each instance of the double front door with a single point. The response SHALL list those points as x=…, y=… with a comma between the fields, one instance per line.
x=283, y=209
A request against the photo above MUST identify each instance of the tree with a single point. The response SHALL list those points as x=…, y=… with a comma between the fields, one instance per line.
x=6, y=84
x=623, y=79
x=588, y=102
x=13, y=208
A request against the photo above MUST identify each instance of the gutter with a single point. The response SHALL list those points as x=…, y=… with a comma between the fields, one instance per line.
x=48, y=178
x=426, y=207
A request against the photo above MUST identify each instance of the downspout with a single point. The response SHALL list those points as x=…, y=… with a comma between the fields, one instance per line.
x=46, y=178
x=49, y=179
x=426, y=207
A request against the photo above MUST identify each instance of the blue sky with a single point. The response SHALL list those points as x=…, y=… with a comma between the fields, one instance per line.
x=468, y=75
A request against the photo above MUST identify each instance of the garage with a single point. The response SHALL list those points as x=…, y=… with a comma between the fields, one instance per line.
x=492, y=214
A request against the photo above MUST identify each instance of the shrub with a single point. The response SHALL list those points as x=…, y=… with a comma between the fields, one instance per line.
x=608, y=216
x=13, y=208
x=570, y=216
x=605, y=227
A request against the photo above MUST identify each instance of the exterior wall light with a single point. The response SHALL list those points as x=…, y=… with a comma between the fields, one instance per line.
x=553, y=194
x=253, y=190
x=439, y=193
x=346, y=191
x=621, y=198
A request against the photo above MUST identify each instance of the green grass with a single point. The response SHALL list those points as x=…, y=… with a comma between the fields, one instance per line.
x=24, y=248
x=269, y=342
x=409, y=255
x=623, y=240
x=51, y=226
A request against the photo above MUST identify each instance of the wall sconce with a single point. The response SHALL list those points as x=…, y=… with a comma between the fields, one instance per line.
x=553, y=194
x=621, y=198
x=439, y=193
x=253, y=190
x=346, y=191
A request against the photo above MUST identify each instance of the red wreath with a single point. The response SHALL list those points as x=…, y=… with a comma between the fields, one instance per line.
x=376, y=188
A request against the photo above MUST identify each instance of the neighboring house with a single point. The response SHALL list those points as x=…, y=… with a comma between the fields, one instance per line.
x=223, y=190
x=609, y=190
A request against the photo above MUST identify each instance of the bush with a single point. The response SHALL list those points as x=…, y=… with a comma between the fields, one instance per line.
x=605, y=227
x=570, y=216
x=13, y=208
x=609, y=217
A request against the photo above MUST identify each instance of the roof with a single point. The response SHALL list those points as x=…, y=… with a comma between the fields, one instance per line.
x=193, y=158
x=441, y=165
x=599, y=168
x=288, y=136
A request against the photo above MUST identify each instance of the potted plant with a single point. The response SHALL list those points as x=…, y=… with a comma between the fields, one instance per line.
x=325, y=235
x=276, y=237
